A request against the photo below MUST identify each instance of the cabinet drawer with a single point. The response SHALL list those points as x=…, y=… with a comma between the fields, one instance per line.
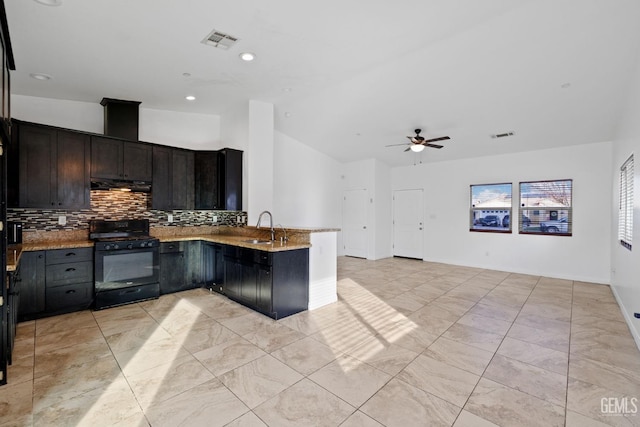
x=171, y=247
x=69, y=273
x=60, y=256
x=68, y=296
x=262, y=257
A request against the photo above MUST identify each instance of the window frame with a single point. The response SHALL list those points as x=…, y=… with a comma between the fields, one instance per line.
x=625, y=207
x=497, y=210
x=533, y=223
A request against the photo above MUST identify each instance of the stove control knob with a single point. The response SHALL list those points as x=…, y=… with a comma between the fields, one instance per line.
x=130, y=246
x=115, y=246
x=107, y=247
x=150, y=243
x=143, y=244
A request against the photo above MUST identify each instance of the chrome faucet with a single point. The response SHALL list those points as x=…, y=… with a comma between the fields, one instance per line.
x=283, y=239
x=273, y=232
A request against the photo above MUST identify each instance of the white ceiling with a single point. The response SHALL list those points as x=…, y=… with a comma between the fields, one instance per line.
x=362, y=74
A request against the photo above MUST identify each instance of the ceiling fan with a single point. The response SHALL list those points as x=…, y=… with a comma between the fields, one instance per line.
x=418, y=142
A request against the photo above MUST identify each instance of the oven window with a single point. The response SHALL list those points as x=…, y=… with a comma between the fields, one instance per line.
x=126, y=267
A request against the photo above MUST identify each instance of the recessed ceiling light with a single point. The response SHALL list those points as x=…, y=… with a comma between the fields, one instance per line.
x=186, y=74
x=190, y=98
x=49, y=2
x=287, y=89
x=247, y=56
x=287, y=114
x=40, y=76
x=565, y=85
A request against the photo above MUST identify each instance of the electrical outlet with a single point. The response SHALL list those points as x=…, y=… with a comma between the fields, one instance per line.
x=215, y=218
x=170, y=218
x=238, y=219
x=62, y=220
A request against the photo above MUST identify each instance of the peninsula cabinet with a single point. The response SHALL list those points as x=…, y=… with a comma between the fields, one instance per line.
x=274, y=283
x=172, y=178
x=53, y=168
x=113, y=158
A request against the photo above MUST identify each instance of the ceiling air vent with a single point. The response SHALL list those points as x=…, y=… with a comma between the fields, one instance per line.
x=219, y=39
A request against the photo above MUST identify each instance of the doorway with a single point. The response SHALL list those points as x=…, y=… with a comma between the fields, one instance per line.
x=408, y=223
x=354, y=222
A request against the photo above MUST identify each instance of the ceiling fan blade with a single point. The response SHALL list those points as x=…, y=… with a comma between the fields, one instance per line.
x=434, y=145
x=442, y=138
x=409, y=148
x=395, y=145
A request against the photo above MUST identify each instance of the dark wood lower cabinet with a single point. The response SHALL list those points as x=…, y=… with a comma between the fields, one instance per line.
x=32, y=285
x=54, y=282
x=273, y=283
x=173, y=276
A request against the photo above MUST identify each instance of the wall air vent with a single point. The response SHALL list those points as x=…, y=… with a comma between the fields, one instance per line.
x=220, y=40
x=502, y=135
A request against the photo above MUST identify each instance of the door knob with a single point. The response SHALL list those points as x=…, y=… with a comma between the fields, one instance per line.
x=364, y=227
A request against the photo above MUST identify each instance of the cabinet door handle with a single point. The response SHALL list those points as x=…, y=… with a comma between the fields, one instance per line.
x=71, y=291
x=70, y=269
x=70, y=254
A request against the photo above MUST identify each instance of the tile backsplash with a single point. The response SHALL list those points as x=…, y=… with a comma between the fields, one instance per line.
x=115, y=205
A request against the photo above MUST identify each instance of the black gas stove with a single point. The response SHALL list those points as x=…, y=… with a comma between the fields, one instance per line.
x=126, y=262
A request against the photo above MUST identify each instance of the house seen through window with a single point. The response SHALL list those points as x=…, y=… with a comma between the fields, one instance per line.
x=491, y=208
x=546, y=207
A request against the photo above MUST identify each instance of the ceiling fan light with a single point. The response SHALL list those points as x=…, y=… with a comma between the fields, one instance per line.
x=416, y=148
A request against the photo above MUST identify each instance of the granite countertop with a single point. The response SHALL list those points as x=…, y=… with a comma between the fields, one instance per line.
x=298, y=239
x=275, y=246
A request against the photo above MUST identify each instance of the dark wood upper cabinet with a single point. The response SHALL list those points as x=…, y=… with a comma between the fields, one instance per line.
x=106, y=158
x=117, y=159
x=173, y=178
x=207, y=194
x=218, y=180
x=53, y=168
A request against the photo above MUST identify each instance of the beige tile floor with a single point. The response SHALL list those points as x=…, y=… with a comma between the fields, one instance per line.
x=409, y=343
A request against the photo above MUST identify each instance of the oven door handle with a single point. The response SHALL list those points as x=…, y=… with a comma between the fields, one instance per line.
x=132, y=291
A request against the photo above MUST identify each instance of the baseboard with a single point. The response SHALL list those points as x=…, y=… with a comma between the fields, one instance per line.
x=634, y=332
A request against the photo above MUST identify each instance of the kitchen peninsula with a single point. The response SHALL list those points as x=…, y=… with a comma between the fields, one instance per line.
x=312, y=248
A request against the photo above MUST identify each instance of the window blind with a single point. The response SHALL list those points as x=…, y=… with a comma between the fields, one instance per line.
x=625, y=214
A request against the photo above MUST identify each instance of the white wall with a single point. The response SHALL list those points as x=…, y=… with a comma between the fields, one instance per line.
x=382, y=201
x=584, y=256
x=259, y=161
x=625, y=264
x=307, y=186
x=83, y=116
x=373, y=176
x=234, y=133
x=187, y=130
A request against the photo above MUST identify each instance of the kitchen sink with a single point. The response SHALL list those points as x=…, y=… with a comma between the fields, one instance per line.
x=257, y=241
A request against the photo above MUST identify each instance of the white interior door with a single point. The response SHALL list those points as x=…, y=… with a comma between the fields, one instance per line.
x=408, y=220
x=354, y=223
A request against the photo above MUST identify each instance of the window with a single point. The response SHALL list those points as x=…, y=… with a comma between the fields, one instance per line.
x=625, y=214
x=491, y=208
x=546, y=207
